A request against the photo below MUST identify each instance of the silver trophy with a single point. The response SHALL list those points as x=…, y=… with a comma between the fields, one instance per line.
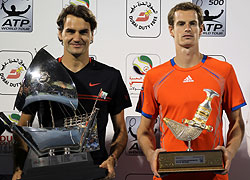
x=70, y=147
x=188, y=130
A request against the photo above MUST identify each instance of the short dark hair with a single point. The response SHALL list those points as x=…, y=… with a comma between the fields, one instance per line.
x=78, y=11
x=185, y=6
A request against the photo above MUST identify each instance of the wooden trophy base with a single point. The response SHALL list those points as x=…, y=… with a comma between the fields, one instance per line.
x=191, y=161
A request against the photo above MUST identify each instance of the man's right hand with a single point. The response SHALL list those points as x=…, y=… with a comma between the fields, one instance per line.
x=153, y=160
x=17, y=175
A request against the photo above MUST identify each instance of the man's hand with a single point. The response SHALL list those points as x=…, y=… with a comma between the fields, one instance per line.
x=118, y=144
x=109, y=164
x=17, y=174
x=146, y=139
x=153, y=160
x=227, y=158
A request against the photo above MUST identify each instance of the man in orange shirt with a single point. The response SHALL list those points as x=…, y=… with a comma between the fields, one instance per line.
x=176, y=88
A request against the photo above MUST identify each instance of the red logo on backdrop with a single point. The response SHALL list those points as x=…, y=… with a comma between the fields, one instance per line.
x=4, y=139
x=13, y=66
x=15, y=73
x=144, y=16
x=6, y=144
x=11, y=71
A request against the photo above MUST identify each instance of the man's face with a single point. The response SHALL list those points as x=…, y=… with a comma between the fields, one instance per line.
x=186, y=30
x=76, y=36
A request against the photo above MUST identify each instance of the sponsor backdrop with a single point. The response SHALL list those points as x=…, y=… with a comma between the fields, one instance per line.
x=132, y=36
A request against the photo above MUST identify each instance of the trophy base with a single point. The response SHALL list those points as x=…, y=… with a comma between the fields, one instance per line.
x=191, y=161
x=77, y=166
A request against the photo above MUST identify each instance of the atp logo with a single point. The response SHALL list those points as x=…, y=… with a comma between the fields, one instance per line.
x=133, y=148
x=16, y=16
x=214, y=17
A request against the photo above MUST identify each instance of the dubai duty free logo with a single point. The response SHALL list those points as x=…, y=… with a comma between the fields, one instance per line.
x=13, y=66
x=6, y=139
x=16, y=16
x=143, y=18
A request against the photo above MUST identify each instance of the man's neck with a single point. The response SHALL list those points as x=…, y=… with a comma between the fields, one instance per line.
x=187, y=57
x=73, y=63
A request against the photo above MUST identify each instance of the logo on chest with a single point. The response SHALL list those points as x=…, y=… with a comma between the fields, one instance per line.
x=188, y=79
x=93, y=84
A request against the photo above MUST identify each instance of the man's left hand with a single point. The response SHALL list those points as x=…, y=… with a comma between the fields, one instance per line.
x=227, y=158
x=109, y=165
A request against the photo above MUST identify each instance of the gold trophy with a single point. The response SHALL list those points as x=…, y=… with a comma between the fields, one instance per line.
x=189, y=160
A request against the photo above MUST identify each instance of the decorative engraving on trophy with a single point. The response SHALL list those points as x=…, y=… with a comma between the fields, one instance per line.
x=167, y=162
x=44, y=77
